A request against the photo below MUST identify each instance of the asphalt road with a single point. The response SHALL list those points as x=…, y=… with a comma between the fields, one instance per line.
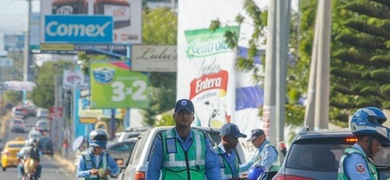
x=50, y=168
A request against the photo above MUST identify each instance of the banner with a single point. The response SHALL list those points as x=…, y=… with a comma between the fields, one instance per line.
x=126, y=14
x=113, y=85
x=74, y=78
x=154, y=58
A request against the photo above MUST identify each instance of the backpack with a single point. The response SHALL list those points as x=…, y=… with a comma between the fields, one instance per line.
x=34, y=154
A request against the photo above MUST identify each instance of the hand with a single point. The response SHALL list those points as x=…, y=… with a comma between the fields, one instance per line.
x=106, y=173
x=94, y=171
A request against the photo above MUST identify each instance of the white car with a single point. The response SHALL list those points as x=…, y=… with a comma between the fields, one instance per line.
x=43, y=124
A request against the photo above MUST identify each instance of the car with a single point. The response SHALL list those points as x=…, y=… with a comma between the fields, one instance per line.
x=45, y=144
x=136, y=166
x=34, y=135
x=316, y=155
x=124, y=136
x=42, y=113
x=42, y=124
x=121, y=150
x=18, y=112
x=9, y=154
x=17, y=125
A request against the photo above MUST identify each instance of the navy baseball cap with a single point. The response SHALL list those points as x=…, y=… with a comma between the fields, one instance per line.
x=184, y=104
x=231, y=129
x=256, y=133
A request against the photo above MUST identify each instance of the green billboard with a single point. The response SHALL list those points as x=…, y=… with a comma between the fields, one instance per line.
x=113, y=85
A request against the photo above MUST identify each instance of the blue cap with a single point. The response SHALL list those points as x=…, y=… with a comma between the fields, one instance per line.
x=184, y=104
x=256, y=133
x=231, y=129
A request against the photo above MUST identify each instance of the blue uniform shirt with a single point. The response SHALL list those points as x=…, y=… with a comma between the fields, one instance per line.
x=230, y=159
x=263, y=157
x=84, y=173
x=356, y=166
x=155, y=166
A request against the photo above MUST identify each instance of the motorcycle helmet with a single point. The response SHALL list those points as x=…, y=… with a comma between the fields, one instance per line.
x=368, y=122
x=254, y=173
x=32, y=142
x=98, y=138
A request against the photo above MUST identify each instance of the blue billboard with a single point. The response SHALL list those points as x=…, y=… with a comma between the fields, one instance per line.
x=78, y=29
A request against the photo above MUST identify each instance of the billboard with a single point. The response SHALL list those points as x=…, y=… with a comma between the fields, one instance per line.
x=154, y=58
x=113, y=85
x=74, y=78
x=78, y=29
x=13, y=42
x=126, y=14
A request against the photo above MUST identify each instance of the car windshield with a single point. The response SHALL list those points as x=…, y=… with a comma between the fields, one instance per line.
x=324, y=154
x=15, y=145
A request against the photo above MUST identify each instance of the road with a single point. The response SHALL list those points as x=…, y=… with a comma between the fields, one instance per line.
x=50, y=168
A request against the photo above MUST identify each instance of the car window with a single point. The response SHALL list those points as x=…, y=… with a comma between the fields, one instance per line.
x=122, y=148
x=15, y=145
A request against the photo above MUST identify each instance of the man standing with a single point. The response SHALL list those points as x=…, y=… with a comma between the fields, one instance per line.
x=228, y=162
x=183, y=152
x=265, y=154
x=357, y=161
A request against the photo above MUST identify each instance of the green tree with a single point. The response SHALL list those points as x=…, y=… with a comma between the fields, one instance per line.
x=160, y=28
x=43, y=95
x=166, y=120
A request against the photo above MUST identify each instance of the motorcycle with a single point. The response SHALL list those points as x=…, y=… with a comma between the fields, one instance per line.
x=30, y=172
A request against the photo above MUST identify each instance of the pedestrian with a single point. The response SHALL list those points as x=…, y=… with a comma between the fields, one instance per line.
x=265, y=154
x=65, y=146
x=228, y=162
x=357, y=161
x=183, y=152
x=95, y=163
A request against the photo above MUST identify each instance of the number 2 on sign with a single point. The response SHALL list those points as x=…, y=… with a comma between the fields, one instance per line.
x=119, y=91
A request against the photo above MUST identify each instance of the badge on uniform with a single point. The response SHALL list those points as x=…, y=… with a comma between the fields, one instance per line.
x=171, y=145
x=360, y=168
x=89, y=164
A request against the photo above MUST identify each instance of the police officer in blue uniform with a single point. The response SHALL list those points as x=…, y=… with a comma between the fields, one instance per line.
x=183, y=152
x=96, y=164
x=265, y=154
x=228, y=160
x=357, y=161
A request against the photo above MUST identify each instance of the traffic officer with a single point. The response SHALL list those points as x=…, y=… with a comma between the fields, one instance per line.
x=183, y=152
x=228, y=162
x=265, y=154
x=357, y=161
x=95, y=163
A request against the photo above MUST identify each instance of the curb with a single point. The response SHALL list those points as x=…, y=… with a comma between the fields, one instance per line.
x=69, y=164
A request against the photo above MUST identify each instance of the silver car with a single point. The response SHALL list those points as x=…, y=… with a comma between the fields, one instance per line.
x=139, y=159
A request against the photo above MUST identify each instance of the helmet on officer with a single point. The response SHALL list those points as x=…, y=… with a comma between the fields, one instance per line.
x=368, y=122
x=98, y=138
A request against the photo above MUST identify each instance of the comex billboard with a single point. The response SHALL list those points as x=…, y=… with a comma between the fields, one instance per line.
x=126, y=14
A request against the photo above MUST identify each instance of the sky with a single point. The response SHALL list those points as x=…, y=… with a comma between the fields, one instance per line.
x=13, y=16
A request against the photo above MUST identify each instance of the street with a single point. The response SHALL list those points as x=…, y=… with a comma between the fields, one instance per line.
x=51, y=169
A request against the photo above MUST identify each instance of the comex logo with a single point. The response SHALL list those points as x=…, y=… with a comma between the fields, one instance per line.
x=91, y=30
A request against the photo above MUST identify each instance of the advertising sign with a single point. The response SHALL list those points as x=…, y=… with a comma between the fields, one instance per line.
x=73, y=78
x=34, y=31
x=13, y=42
x=55, y=113
x=78, y=29
x=113, y=85
x=126, y=14
x=151, y=58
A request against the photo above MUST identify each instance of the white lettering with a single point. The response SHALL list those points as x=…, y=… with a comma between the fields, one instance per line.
x=207, y=84
x=92, y=30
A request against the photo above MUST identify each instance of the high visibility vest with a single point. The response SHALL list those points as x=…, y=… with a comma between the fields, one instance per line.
x=371, y=166
x=181, y=164
x=226, y=169
x=90, y=164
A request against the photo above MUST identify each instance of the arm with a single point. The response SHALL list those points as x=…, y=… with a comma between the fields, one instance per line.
x=81, y=172
x=356, y=167
x=155, y=166
x=114, y=169
x=212, y=162
x=268, y=156
x=248, y=164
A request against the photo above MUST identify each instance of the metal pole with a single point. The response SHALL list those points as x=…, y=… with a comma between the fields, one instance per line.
x=270, y=75
x=323, y=66
x=126, y=119
x=311, y=92
x=283, y=30
x=26, y=61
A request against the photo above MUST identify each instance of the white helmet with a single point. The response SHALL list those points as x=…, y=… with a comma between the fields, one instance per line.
x=32, y=142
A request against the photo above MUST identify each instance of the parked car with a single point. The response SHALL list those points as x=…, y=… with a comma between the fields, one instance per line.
x=9, y=154
x=45, y=144
x=17, y=125
x=137, y=164
x=316, y=154
x=125, y=136
x=42, y=113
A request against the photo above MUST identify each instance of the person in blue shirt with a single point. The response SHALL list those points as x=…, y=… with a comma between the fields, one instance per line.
x=183, y=152
x=228, y=162
x=30, y=151
x=265, y=154
x=95, y=163
x=357, y=161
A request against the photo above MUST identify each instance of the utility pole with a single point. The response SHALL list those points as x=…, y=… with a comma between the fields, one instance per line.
x=27, y=57
x=322, y=83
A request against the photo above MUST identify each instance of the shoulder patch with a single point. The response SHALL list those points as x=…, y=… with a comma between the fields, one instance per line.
x=360, y=168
